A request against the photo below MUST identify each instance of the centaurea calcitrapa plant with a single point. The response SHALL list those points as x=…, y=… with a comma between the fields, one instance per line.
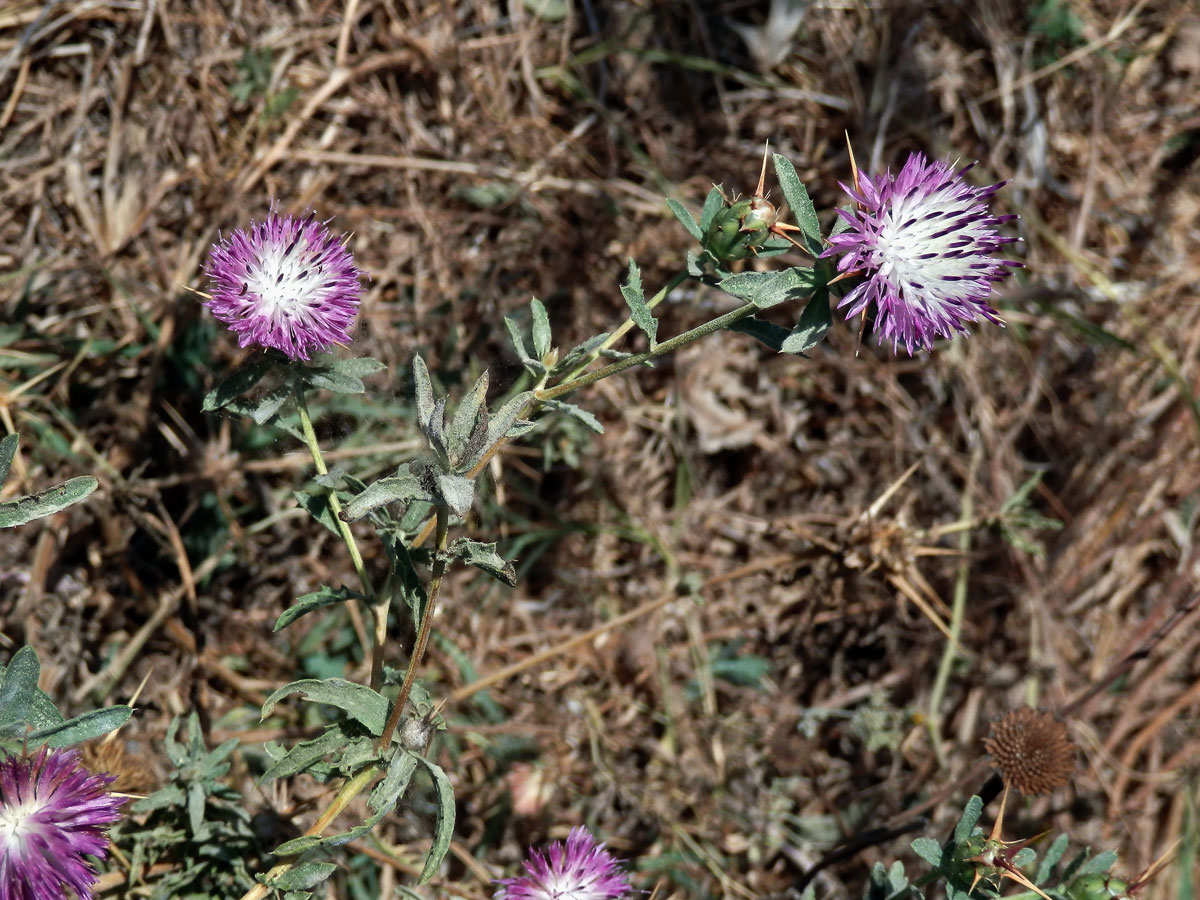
x=54, y=812
x=920, y=250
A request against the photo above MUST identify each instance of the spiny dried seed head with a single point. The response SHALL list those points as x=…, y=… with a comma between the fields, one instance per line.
x=1031, y=749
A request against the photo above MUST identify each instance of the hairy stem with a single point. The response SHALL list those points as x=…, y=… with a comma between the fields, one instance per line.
x=378, y=611
x=680, y=340
x=418, y=651
x=348, y=792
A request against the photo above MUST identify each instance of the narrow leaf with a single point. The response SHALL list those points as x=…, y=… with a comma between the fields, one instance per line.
x=83, y=728
x=19, y=686
x=503, y=419
x=636, y=300
x=329, y=379
x=514, y=335
x=767, y=289
x=239, y=381
x=300, y=877
x=47, y=502
x=1053, y=854
x=541, y=328
x=463, y=423
x=768, y=332
x=395, y=783
x=404, y=486
x=454, y=491
x=359, y=367
x=326, y=596
x=300, y=757
x=8, y=449
x=443, y=831
x=577, y=413
x=966, y=822
x=483, y=556
x=365, y=706
x=685, y=218
x=929, y=850
x=801, y=205
x=424, y=392
x=813, y=325
x=712, y=205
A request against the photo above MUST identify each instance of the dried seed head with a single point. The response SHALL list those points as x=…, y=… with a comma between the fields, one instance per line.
x=1032, y=750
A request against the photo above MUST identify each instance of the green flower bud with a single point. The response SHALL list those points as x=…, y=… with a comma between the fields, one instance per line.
x=1095, y=887
x=741, y=229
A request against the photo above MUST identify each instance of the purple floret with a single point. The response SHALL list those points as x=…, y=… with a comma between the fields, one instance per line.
x=925, y=242
x=53, y=811
x=285, y=283
x=581, y=869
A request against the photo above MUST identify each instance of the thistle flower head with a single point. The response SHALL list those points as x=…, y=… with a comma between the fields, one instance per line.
x=286, y=283
x=52, y=812
x=925, y=242
x=1032, y=750
x=580, y=869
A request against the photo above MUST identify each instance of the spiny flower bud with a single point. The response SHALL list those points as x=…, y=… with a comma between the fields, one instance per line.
x=741, y=229
x=1032, y=750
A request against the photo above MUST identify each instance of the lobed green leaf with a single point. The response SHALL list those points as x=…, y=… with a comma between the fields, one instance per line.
x=84, y=727
x=635, y=299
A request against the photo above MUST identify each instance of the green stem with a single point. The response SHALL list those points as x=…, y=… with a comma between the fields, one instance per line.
x=678, y=279
x=680, y=340
x=418, y=652
x=348, y=792
x=379, y=611
x=958, y=610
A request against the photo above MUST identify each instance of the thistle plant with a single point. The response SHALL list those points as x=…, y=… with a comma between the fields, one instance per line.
x=919, y=250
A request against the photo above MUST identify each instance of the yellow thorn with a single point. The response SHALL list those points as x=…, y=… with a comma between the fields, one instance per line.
x=762, y=176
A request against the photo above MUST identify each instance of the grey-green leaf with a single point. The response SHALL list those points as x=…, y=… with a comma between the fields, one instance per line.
x=541, y=328
x=505, y=417
x=465, y=417
x=768, y=332
x=801, y=205
x=365, y=706
x=443, y=831
x=239, y=381
x=929, y=850
x=577, y=413
x=767, y=289
x=424, y=391
x=330, y=380
x=326, y=596
x=18, y=686
x=404, y=486
x=47, y=502
x=813, y=325
x=514, y=335
x=685, y=218
x=631, y=290
x=8, y=449
x=966, y=822
x=83, y=728
x=712, y=205
x=455, y=492
x=483, y=556
x=300, y=877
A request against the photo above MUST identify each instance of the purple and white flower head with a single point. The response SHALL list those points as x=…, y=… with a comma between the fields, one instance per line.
x=52, y=812
x=286, y=283
x=580, y=869
x=926, y=244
